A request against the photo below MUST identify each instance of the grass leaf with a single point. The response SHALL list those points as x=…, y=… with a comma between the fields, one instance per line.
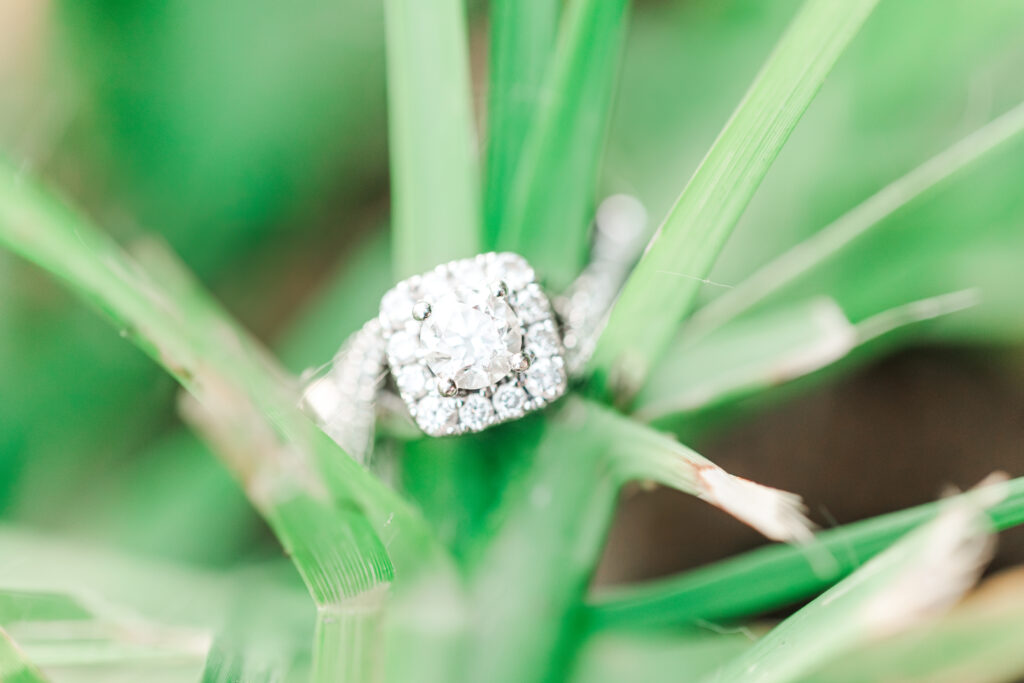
x=15, y=667
x=550, y=201
x=639, y=453
x=777, y=575
x=979, y=640
x=663, y=287
x=749, y=356
x=522, y=37
x=554, y=517
x=828, y=243
x=435, y=182
x=328, y=512
x=921, y=575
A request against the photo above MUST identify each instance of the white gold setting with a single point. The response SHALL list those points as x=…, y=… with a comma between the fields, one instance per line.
x=472, y=343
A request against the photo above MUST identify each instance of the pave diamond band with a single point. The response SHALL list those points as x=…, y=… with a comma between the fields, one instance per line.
x=474, y=342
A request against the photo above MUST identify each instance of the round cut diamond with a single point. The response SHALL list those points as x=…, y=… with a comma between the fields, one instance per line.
x=470, y=337
x=402, y=347
x=436, y=415
x=542, y=340
x=545, y=379
x=532, y=305
x=414, y=380
x=396, y=308
x=509, y=401
x=476, y=412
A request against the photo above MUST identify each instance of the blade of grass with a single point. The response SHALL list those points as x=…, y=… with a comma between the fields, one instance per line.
x=639, y=453
x=921, y=575
x=332, y=515
x=76, y=608
x=663, y=287
x=751, y=356
x=827, y=243
x=774, y=576
x=434, y=176
x=551, y=197
x=977, y=641
x=14, y=665
x=656, y=657
x=553, y=520
x=522, y=36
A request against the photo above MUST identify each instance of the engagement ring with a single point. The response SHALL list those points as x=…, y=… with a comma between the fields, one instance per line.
x=475, y=342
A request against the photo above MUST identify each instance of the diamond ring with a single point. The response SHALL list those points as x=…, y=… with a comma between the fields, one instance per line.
x=474, y=342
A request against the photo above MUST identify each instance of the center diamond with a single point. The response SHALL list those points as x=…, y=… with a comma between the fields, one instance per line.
x=470, y=338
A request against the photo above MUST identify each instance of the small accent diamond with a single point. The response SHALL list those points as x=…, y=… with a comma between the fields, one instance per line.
x=542, y=340
x=511, y=268
x=414, y=380
x=476, y=412
x=436, y=415
x=395, y=308
x=545, y=379
x=532, y=305
x=509, y=401
x=402, y=347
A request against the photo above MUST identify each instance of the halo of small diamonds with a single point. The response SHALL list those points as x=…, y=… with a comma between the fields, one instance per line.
x=523, y=320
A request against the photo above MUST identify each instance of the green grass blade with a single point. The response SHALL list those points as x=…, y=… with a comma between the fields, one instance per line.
x=551, y=198
x=920, y=576
x=639, y=453
x=663, y=287
x=435, y=182
x=291, y=470
x=829, y=242
x=14, y=665
x=783, y=344
x=655, y=656
x=774, y=576
x=554, y=518
x=978, y=641
x=522, y=37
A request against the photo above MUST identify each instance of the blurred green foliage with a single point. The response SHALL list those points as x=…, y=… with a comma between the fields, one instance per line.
x=251, y=137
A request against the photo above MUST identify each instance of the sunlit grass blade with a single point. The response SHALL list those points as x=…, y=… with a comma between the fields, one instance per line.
x=88, y=614
x=751, y=356
x=174, y=322
x=639, y=453
x=548, y=543
x=920, y=576
x=553, y=522
x=330, y=513
x=828, y=243
x=979, y=641
x=522, y=35
x=668, y=656
x=775, y=576
x=663, y=287
x=15, y=667
x=550, y=200
x=435, y=180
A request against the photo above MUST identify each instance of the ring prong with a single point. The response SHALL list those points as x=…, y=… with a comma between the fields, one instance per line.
x=447, y=387
x=521, y=361
x=499, y=289
x=421, y=310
